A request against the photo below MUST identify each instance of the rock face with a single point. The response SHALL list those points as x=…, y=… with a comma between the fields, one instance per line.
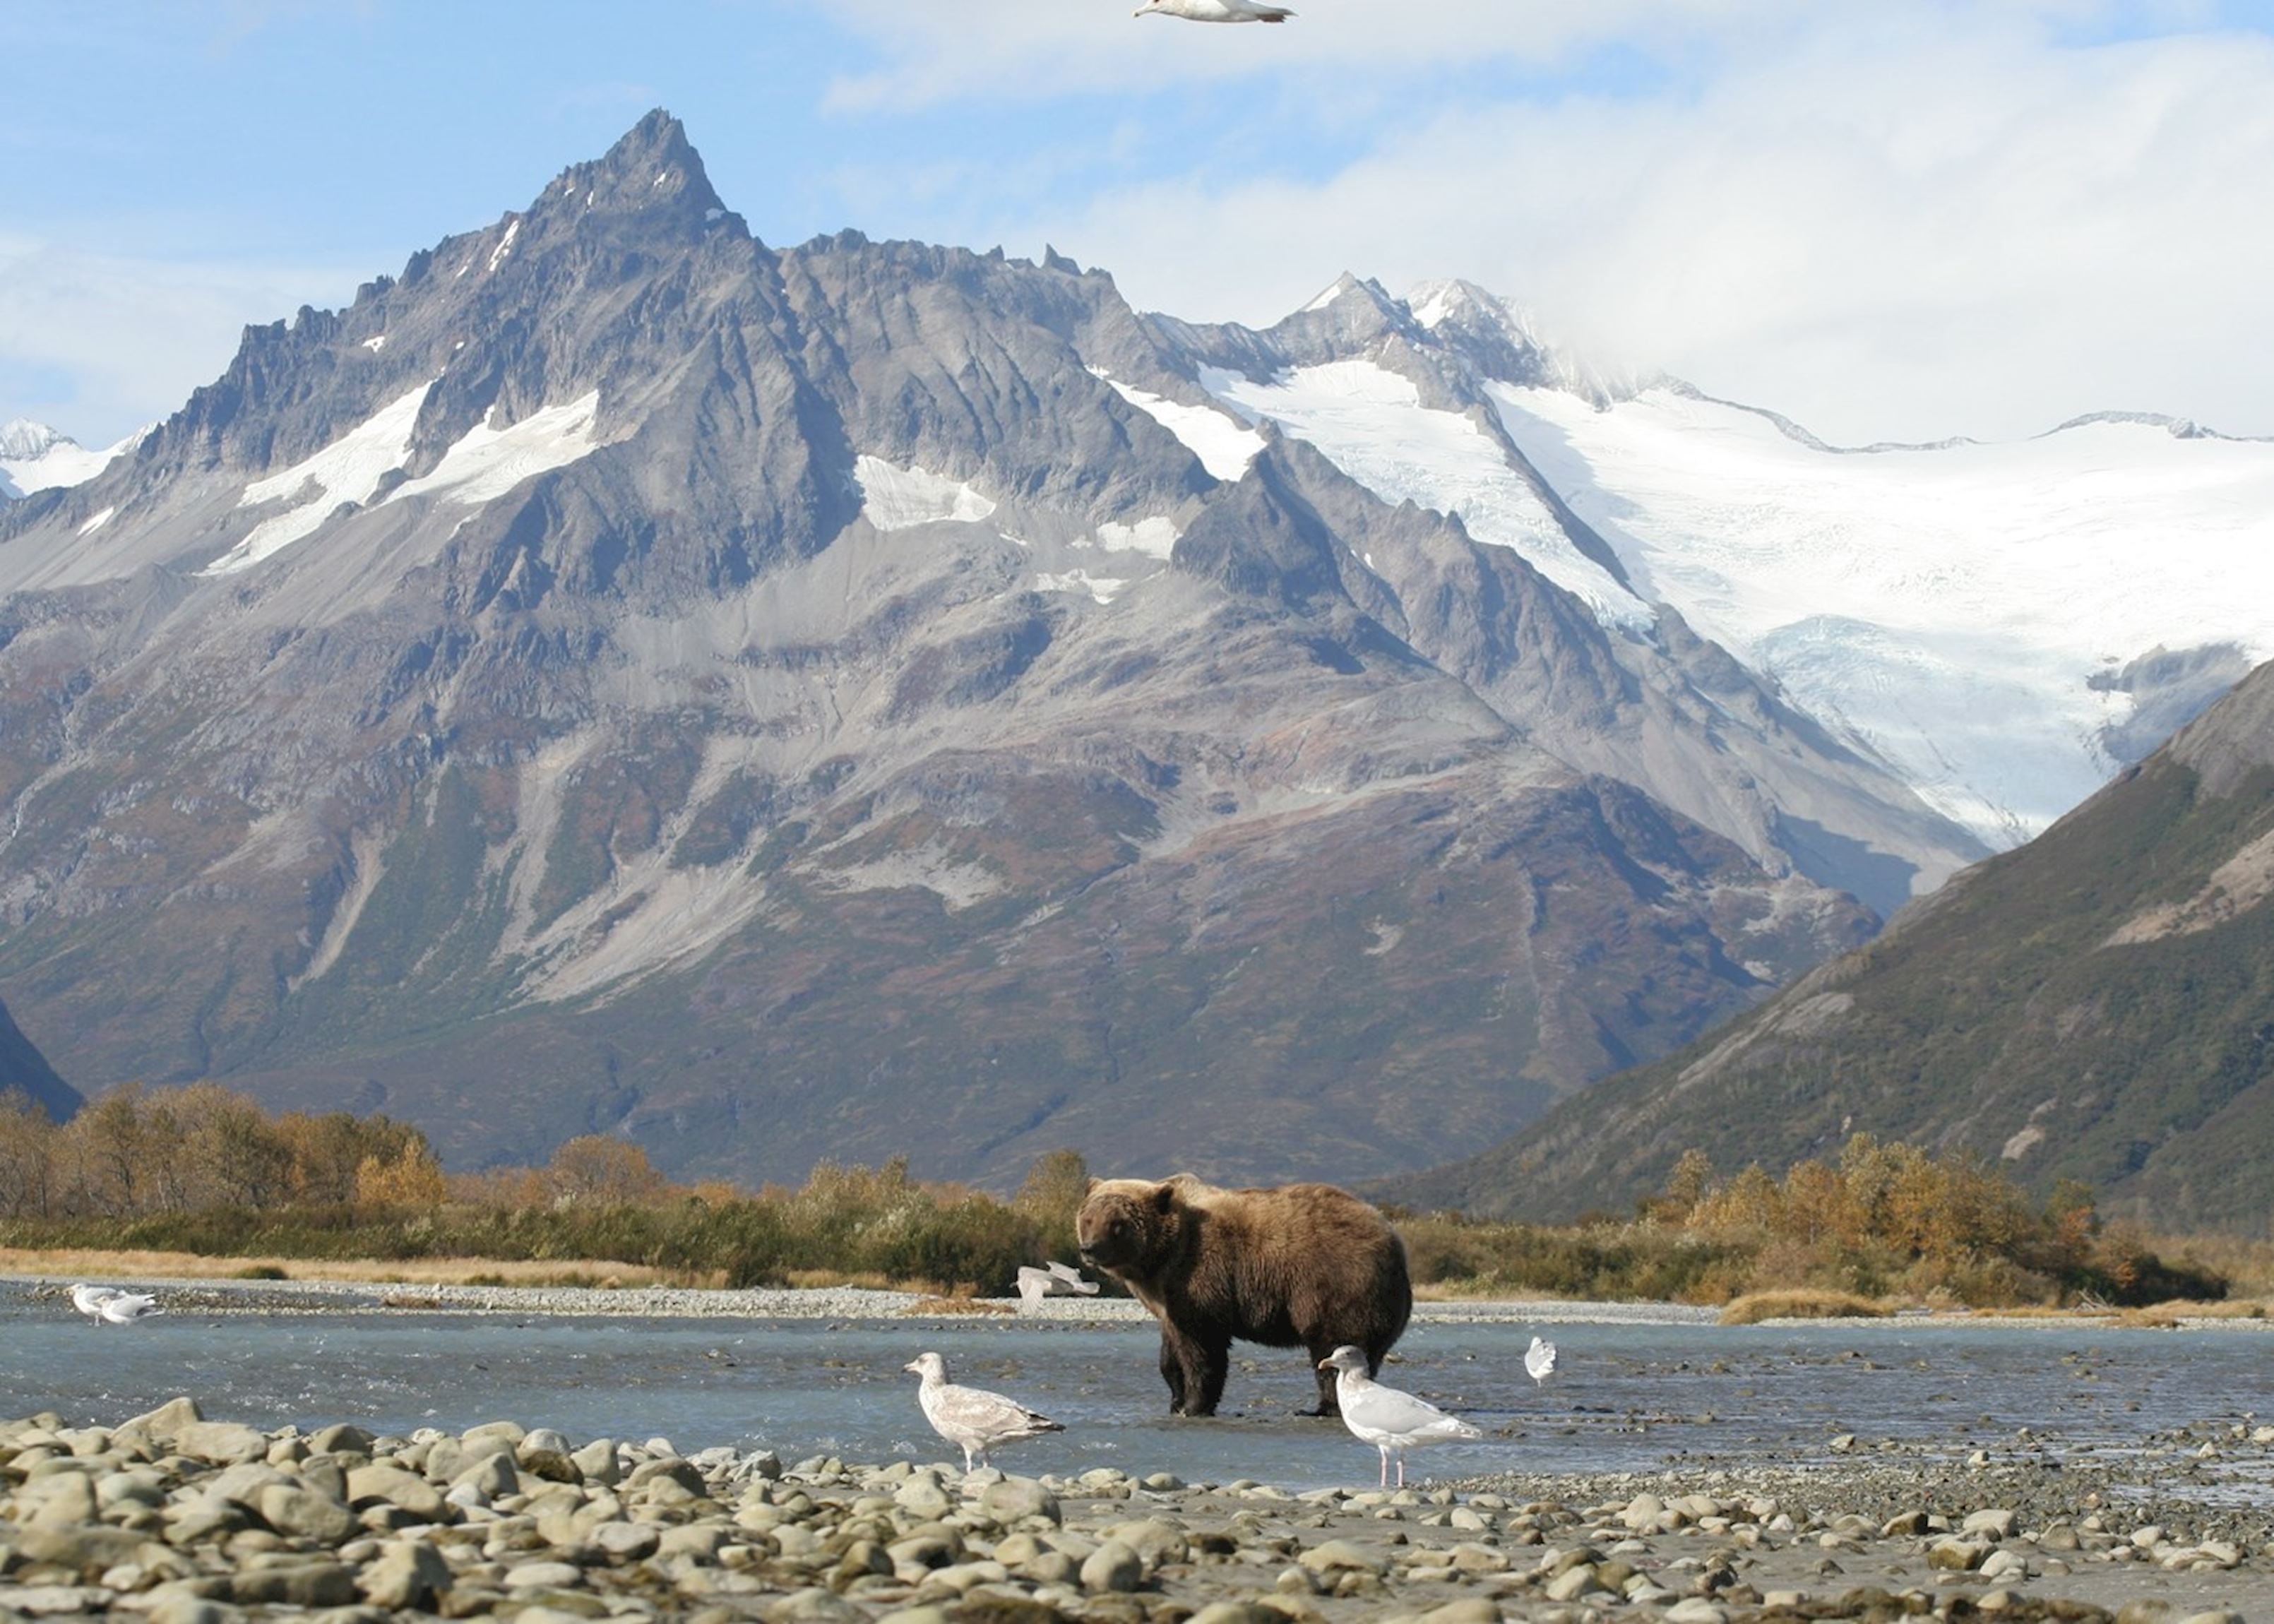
x=795, y=702
x=2097, y=1005
x=25, y=1070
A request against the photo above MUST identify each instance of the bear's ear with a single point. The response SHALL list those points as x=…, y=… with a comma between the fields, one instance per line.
x=1089, y=1186
x=1164, y=1197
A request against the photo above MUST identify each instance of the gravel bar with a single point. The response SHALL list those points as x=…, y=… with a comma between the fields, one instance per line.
x=174, y=1519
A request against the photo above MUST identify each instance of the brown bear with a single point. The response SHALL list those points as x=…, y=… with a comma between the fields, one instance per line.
x=1304, y=1265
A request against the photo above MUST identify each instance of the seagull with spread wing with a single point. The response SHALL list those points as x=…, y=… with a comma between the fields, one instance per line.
x=1391, y=1421
x=1539, y=1359
x=976, y=1421
x=1215, y=11
x=1054, y=1280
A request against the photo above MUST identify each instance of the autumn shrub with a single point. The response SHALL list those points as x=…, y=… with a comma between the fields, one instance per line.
x=1893, y=1219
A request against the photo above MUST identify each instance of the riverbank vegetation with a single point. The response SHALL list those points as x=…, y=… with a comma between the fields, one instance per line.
x=206, y=1172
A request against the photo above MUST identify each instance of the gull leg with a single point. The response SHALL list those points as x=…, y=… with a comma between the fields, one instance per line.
x=1385, y=1468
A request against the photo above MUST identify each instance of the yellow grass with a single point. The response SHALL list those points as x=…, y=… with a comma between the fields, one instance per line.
x=2170, y=1316
x=810, y=1280
x=960, y=1302
x=80, y=1264
x=1756, y=1306
x=1486, y=1290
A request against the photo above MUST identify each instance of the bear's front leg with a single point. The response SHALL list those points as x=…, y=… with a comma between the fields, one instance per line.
x=1216, y=1364
x=1172, y=1370
x=1188, y=1363
x=1329, y=1399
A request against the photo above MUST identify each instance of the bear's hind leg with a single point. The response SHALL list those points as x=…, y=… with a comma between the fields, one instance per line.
x=1329, y=1399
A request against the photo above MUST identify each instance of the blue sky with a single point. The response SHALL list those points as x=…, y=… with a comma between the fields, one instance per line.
x=1888, y=222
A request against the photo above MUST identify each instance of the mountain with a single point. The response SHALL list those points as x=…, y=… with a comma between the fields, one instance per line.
x=2097, y=1005
x=858, y=698
x=36, y=457
x=24, y=1070
x=2000, y=627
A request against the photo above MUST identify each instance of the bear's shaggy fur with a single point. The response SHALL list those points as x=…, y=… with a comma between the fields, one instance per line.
x=1304, y=1265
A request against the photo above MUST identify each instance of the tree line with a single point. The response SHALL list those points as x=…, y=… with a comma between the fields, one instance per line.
x=206, y=1170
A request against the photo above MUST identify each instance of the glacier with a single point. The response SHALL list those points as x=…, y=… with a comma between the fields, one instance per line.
x=1957, y=609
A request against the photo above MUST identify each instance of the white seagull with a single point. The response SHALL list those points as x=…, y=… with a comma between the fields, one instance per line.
x=1215, y=11
x=977, y=1421
x=1391, y=1421
x=1058, y=1279
x=1539, y=1359
x=89, y=1299
x=122, y=1309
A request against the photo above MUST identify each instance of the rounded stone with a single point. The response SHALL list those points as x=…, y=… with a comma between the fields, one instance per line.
x=1112, y=1567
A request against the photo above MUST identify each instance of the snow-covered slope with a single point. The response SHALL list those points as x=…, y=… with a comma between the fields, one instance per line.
x=1372, y=423
x=36, y=457
x=1970, y=611
x=2003, y=625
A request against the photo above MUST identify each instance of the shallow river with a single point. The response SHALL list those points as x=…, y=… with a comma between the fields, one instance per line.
x=1627, y=1396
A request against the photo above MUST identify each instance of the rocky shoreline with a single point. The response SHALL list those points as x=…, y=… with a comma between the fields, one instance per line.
x=175, y=1519
x=253, y=1296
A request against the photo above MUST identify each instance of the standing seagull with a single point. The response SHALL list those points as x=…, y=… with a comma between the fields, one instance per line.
x=1539, y=1359
x=121, y=1309
x=89, y=1299
x=1391, y=1421
x=977, y=1421
x=1215, y=11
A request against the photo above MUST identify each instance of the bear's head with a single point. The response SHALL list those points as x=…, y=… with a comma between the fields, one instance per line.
x=1127, y=1225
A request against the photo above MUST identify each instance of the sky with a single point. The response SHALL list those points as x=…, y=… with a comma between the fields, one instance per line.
x=1889, y=222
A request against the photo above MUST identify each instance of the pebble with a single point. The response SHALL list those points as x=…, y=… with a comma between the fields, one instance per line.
x=176, y=1518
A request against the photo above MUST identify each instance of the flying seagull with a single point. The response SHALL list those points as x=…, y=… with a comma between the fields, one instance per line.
x=122, y=1309
x=1215, y=11
x=89, y=1299
x=1540, y=1358
x=1391, y=1421
x=1058, y=1279
x=977, y=1421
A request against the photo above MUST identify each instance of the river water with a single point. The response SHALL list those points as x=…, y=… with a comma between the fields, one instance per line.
x=1626, y=1396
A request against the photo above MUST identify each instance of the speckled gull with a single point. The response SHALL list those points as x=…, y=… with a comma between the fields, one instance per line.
x=1215, y=11
x=1057, y=1279
x=1391, y=1421
x=122, y=1308
x=1540, y=1358
x=966, y=1416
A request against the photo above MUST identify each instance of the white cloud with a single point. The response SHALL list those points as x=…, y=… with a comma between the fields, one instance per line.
x=1884, y=226
x=126, y=340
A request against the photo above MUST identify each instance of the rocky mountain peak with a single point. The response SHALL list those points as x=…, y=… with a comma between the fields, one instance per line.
x=22, y=440
x=651, y=180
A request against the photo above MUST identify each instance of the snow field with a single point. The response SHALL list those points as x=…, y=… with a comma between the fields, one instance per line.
x=1944, y=607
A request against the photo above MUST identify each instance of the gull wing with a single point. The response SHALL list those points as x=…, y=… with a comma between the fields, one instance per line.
x=1072, y=1277
x=989, y=1416
x=1400, y=1416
